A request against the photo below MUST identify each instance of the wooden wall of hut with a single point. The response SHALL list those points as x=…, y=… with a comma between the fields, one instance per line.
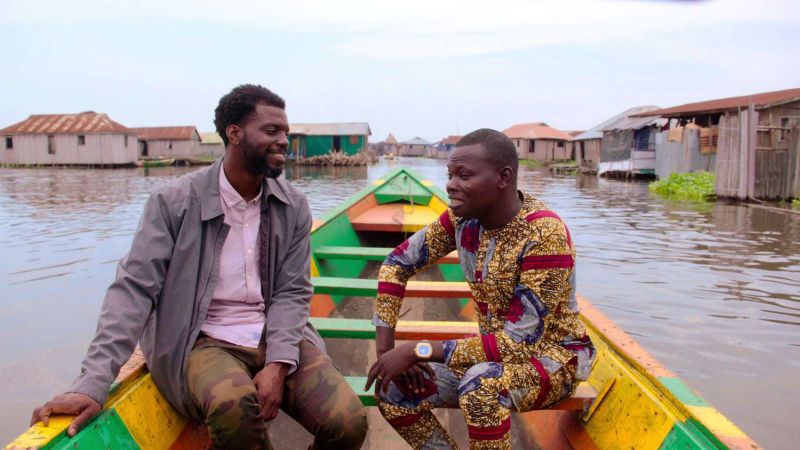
x=757, y=161
x=733, y=156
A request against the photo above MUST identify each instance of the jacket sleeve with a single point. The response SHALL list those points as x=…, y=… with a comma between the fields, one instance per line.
x=539, y=304
x=128, y=301
x=421, y=250
x=290, y=303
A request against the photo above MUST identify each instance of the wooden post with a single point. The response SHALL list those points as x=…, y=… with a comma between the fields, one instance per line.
x=752, y=143
x=741, y=187
x=793, y=179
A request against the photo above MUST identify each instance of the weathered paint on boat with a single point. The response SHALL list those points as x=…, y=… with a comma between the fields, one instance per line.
x=633, y=401
x=162, y=162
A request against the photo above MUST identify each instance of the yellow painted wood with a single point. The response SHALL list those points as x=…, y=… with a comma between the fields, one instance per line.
x=314, y=268
x=416, y=217
x=150, y=419
x=437, y=205
x=39, y=435
x=378, y=182
x=427, y=183
x=716, y=422
x=633, y=413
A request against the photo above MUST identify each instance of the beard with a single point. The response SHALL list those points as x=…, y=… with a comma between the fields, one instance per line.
x=256, y=162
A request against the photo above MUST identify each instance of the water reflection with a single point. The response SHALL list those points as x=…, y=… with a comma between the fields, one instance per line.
x=710, y=289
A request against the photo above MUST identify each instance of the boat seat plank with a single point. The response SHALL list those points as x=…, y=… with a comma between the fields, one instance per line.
x=368, y=254
x=394, y=217
x=330, y=327
x=358, y=287
x=580, y=401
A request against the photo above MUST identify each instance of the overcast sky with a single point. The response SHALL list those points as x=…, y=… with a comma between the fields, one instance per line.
x=414, y=68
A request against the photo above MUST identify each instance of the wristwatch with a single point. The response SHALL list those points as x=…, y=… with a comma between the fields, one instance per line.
x=423, y=350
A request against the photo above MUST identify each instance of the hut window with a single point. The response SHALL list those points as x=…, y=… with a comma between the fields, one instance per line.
x=81, y=139
x=784, y=126
x=170, y=144
x=560, y=144
x=51, y=145
x=126, y=141
x=9, y=142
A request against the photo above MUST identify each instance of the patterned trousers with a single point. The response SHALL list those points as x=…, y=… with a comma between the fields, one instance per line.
x=486, y=393
x=220, y=379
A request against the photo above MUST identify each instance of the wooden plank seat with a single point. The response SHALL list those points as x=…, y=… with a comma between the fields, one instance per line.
x=394, y=217
x=413, y=330
x=369, y=288
x=581, y=400
x=368, y=254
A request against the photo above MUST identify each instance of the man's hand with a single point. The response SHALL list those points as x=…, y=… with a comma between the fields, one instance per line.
x=83, y=406
x=269, y=386
x=390, y=365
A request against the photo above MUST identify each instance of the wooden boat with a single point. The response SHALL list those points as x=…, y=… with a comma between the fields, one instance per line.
x=629, y=401
x=200, y=161
x=154, y=162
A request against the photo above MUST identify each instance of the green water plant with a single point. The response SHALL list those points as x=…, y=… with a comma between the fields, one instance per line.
x=531, y=163
x=697, y=186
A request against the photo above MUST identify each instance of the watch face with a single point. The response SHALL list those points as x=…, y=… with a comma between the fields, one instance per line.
x=424, y=350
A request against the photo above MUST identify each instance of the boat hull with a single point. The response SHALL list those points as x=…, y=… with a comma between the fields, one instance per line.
x=638, y=403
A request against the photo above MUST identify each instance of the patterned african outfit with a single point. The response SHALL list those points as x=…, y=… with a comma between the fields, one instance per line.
x=532, y=349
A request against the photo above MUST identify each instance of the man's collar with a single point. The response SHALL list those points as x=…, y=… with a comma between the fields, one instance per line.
x=208, y=184
x=276, y=187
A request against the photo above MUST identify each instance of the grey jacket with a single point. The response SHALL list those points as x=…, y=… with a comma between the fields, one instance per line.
x=165, y=283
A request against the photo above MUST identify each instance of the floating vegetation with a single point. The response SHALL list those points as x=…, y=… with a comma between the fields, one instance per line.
x=697, y=186
x=531, y=163
x=338, y=159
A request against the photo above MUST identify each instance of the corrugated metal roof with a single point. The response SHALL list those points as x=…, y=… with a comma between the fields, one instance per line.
x=596, y=132
x=535, y=130
x=183, y=133
x=417, y=141
x=331, y=129
x=726, y=104
x=211, y=137
x=630, y=122
x=450, y=140
x=85, y=122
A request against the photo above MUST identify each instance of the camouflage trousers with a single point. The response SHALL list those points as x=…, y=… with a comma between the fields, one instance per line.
x=316, y=395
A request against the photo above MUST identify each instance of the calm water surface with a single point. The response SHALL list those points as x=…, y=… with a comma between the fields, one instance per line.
x=712, y=290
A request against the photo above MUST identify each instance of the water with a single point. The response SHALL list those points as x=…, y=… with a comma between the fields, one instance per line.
x=711, y=290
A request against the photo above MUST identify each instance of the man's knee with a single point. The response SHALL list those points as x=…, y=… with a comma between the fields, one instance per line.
x=233, y=415
x=475, y=376
x=346, y=427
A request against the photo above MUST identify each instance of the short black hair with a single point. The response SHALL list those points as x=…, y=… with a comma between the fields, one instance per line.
x=236, y=106
x=497, y=146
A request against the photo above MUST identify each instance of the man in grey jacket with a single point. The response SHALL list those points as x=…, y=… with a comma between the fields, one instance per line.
x=216, y=291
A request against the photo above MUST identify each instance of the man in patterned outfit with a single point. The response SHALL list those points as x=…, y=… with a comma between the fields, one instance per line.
x=519, y=260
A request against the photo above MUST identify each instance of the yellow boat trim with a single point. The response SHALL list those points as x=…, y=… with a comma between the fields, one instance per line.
x=39, y=435
x=150, y=419
x=716, y=422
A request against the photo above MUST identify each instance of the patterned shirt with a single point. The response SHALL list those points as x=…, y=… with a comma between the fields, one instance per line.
x=522, y=277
